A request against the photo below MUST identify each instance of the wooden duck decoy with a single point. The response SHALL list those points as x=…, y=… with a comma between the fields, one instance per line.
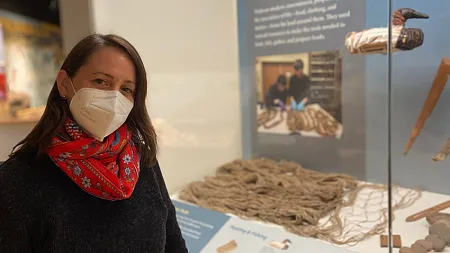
x=375, y=40
x=284, y=245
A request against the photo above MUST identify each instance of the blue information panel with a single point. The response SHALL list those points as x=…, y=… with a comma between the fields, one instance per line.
x=206, y=231
x=198, y=225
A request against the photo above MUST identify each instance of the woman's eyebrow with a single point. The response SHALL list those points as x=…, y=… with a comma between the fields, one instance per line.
x=110, y=76
x=105, y=74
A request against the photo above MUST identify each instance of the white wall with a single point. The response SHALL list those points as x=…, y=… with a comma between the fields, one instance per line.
x=76, y=21
x=190, y=51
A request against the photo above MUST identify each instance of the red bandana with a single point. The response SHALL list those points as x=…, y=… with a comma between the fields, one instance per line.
x=108, y=169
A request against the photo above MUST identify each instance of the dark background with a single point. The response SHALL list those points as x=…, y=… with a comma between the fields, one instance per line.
x=45, y=10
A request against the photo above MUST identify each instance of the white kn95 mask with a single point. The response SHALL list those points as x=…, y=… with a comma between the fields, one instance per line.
x=99, y=112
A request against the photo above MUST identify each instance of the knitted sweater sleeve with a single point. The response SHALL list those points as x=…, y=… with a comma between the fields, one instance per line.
x=14, y=231
x=174, y=240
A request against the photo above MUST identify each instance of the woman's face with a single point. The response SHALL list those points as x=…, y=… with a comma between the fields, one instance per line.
x=107, y=69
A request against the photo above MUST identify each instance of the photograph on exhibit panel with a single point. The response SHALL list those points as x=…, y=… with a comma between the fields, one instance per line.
x=300, y=94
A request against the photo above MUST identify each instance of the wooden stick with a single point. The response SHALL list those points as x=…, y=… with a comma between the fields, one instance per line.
x=435, y=92
x=426, y=212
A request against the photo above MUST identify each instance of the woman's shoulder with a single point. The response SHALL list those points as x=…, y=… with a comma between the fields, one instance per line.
x=18, y=174
x=14, y=167
x=16, y=184
x=160, y=181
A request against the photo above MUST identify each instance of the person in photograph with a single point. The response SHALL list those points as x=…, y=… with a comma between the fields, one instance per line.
x=277, y=93
x=300, y=83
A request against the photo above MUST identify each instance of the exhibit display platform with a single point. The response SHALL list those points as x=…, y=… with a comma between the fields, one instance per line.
x=409, y=232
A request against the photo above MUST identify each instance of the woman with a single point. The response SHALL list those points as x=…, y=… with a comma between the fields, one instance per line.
x=86, y=178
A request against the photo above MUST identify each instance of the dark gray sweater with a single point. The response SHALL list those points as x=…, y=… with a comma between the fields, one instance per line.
x=42, y=210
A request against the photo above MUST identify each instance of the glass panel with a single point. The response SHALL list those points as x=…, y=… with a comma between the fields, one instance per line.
x=314, y=93
x=419, y=121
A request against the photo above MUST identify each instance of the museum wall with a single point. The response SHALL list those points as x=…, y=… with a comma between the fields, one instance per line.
x=76, y=21
x=193, y=96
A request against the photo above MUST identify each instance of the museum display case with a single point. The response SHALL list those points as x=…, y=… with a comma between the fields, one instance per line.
x=332, y=142
x=315, y=129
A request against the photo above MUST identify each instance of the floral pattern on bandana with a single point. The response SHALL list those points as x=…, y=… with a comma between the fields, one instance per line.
x=107, y=170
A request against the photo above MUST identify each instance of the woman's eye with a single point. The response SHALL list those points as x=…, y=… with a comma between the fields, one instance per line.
x=99, y=82
x=127, y=90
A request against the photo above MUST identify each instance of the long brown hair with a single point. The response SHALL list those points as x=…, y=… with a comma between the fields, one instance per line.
x=57, y=109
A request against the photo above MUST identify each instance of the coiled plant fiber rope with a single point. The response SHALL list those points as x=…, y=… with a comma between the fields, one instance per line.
x=288, y=195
